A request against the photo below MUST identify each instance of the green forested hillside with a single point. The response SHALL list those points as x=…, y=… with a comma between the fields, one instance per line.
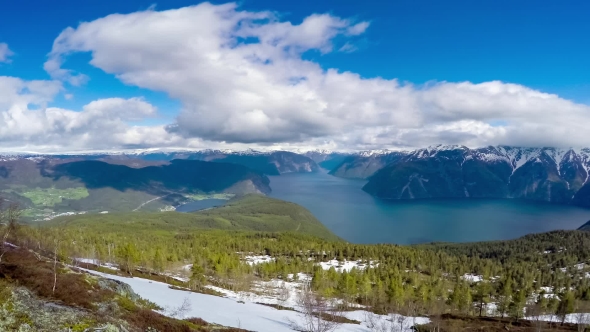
x=249, y=212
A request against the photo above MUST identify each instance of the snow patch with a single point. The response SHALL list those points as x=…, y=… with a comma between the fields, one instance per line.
x=245, y=314
x=472, y=277
x=347, y=265
x=255, y=260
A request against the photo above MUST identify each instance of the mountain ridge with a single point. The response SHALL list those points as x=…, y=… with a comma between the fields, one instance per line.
x=545, y=174
x=267, y=162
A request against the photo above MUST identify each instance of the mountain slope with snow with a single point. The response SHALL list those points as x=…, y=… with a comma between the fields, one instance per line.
x=544, y=174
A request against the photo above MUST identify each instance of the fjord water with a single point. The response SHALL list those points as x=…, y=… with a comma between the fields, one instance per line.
x=200, y=205
x=356, y=216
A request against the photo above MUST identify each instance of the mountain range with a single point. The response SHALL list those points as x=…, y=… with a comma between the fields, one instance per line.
x=543, y=174
x=269, y=163
x=443, y=171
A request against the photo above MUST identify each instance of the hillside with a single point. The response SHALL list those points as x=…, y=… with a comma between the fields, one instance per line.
x=445, y=287
x=40, y=293
x=47, y=188
x=585, y=227
x=246, y=213
x=544, y=174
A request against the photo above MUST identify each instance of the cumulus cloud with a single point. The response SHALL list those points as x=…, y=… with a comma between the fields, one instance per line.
x=27, y=123
x=243, y=78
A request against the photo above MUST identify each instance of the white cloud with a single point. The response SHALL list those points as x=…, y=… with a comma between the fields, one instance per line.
x=358, y=28
x=5, y=53
x=242, y=78
x=26, y=122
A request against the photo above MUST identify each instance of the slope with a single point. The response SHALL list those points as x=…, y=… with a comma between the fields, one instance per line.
x=246, y=213
x=542, y=174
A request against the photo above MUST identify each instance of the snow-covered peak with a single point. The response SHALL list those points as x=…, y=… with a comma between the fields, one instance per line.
x=315, y=151
x=370, y=153
x=441, y=147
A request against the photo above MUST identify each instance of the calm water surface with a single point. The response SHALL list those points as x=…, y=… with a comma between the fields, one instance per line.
x=357, y=217
x=200, y=205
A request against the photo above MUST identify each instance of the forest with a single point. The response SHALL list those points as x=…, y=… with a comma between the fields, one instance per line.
x=537, y=274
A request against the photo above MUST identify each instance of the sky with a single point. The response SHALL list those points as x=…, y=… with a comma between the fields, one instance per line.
x=330, y=74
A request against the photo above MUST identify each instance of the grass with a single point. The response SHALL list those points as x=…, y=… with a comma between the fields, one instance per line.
x=48, y=197
x=247, y=213
x=38, y=276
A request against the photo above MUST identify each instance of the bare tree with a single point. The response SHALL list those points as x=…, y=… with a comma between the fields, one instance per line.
x=283, y=294
x=582, y=317
x=378, y=323
x=317, y=313
x=9, y=218
x=181, y=311
x=582, y=320
x=55, y=249
x=535, y=312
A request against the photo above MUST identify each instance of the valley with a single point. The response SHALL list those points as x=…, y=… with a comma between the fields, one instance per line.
x=294, y=166
x=50, y=186
x=356, y=216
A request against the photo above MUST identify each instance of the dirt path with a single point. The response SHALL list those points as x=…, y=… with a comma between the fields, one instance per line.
x=151, y=200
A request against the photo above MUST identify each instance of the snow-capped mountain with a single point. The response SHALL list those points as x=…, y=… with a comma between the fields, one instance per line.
x=547, y=174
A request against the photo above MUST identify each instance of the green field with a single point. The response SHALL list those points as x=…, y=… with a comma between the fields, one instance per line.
x=47, y=197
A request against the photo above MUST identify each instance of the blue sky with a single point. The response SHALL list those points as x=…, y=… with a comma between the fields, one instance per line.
x=542, y=45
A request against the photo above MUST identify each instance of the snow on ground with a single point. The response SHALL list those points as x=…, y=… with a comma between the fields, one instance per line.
x=97, y=263
x=472, y=277
x=347, y=265
x=570, y=318
x=247, y=315
x=275, y=291
x=339, y=266
x=254, y=260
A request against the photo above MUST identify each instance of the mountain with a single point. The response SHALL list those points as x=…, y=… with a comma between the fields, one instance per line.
x=544, y=174
x=327, y=159
x=190, y=176
x=46, y=187
x=585, y=227
x=364, y=164
x=270, y=163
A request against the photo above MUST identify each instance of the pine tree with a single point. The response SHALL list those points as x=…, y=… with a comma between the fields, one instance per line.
x=482, y=295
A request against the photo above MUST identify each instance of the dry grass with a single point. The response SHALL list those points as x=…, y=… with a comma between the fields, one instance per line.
x=25, y=269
